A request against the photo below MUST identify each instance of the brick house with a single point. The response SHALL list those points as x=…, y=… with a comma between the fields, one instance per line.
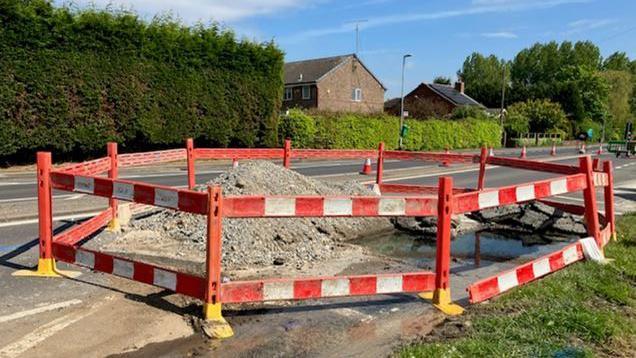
x=339, y=84
x=434, y=98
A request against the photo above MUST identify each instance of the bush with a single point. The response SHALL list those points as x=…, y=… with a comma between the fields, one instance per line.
x=359, y=131
x=543, y=116
x=72, y=80
x=463, y=112
x=299, y=127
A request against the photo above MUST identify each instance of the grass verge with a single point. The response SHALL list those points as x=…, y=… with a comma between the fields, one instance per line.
x=584, y=310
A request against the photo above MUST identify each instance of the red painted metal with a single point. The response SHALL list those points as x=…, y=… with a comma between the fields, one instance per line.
x=333, y=153
x=111, y=148
x=84, y=229
x=589, y=195
x=431, y=157
x=213, y=252
x=609, y=196
x=91, y=167
x=190, y=159
x=45, y=213
x=483, y=157
x=533, y=165
x=287, y=153
x=380, y=165
x=148, y=158
x=415, y=189
x=444, y=213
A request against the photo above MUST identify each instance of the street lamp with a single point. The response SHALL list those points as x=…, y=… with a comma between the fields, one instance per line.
x=402, y=101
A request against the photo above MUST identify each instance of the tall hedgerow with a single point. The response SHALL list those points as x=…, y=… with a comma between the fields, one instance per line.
x=70, y=80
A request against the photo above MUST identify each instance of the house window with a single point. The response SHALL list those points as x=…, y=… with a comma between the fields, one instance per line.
x=306, y=92
x=356, y=95
x=288, y=94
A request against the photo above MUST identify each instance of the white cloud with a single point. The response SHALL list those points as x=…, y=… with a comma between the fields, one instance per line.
x=584, y=25
x=500, y=35
x=201, y=10
x=479, y=7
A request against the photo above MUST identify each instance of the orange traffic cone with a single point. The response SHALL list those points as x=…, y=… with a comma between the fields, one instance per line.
x=582, y=149
x=445, y=163
x=234, y=163
x=366, y=168
x=600, y=149
x=491, y=153
x=553, y=150
x=523, y=152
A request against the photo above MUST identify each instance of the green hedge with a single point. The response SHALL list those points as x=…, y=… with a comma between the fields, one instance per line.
x=347, y=130
x=72, y=80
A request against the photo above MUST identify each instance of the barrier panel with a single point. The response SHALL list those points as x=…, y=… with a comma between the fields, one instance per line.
x=442, y=201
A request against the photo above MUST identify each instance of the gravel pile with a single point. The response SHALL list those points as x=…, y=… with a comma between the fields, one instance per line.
x=254, y=243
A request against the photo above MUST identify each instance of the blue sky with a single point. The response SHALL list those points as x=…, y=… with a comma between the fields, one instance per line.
x=439, y=34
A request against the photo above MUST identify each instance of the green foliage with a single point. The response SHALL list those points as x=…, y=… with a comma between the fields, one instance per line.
x=350, y=130
x=516, y=124
x=463, y=112
x=541, y=116
x=586, y=309
x=483, y=77
x=297, y=126
x=618, y=61
x=72, y=80
x=620, y=93
x=443, y=80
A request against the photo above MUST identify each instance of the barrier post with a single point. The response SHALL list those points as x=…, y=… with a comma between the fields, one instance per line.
x=482, y=168
x=190, y=159
x=212, y=305
x=609, y=197
x=380, y=165
x=441, y=295
x=111, y=149
x=46, y=262
x=589, y=195
x=287, y=153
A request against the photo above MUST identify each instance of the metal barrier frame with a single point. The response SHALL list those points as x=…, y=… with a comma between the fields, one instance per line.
x=442, y=201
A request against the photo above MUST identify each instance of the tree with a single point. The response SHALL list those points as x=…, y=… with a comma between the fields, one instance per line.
x=618, y=61
x=542, y=116
x=443, y=80
x=483, y=77
x=620, y=89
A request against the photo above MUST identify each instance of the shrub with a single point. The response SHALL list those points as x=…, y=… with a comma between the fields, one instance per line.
x=299, y=127
x=71, y=80
x=543, y=116
x=463, y=112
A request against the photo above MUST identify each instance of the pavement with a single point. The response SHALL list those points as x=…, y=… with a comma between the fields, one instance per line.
x=107, y=315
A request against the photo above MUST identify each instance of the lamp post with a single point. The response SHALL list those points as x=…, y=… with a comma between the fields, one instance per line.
x=402, y=101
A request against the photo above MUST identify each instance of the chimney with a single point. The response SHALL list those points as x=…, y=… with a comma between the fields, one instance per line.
x=459, y=86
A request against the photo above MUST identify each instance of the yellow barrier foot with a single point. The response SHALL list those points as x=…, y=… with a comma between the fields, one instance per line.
x=113, y=226
x=428, y=295
x=442, y=301
x=215, y=325
x=46, y=268
x=614, y=237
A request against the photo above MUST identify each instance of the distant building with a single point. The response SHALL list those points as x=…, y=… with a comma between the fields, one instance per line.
x=432, y=99
x=339, y=84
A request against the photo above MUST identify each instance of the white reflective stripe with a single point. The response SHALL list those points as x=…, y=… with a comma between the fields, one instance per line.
x=166, y=197
x=337, y=206
x=558, y=187
x=280, y=206
x=165, y=279
x=392, y=207
x=488, y=199
x=335, y=287
x=84, y=184
x=85, y=258
x=124, y=191
x=570, y=255
x=541, y=268
x=600, y=179
x=507, y=281
x=525, y=193
x=389, y=284
x=123, y=268
x=283, y=290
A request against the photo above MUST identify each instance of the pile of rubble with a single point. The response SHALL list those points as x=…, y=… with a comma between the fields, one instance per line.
x=251, y=243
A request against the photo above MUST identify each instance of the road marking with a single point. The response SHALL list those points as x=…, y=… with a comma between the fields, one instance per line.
x=33, y=198
x=37, y=310
x=55, y=218
x=40, y=334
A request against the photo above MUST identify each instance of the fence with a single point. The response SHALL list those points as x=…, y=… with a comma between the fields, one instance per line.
x=442, y=201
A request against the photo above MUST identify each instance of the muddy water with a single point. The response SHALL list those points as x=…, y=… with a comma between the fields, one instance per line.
x=359, y=326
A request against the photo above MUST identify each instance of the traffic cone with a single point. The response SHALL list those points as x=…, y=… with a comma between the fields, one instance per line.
x=445, y=163
x=366, y=168
x=234, y=163
x=523, y=152
x=582, y=149
x=600, y=149
x=553, y=150
x=491, y=153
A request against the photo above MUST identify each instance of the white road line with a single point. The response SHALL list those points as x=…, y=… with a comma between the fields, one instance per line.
x=55, y=218
x=37, y=310
x=33, y=198
x=40, y=334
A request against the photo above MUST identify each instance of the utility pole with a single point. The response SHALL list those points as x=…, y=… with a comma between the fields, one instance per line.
x=402, y=102
x=357, y=22
x=503, y=97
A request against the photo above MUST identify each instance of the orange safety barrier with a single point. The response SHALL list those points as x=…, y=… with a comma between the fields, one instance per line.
x=442, y=201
